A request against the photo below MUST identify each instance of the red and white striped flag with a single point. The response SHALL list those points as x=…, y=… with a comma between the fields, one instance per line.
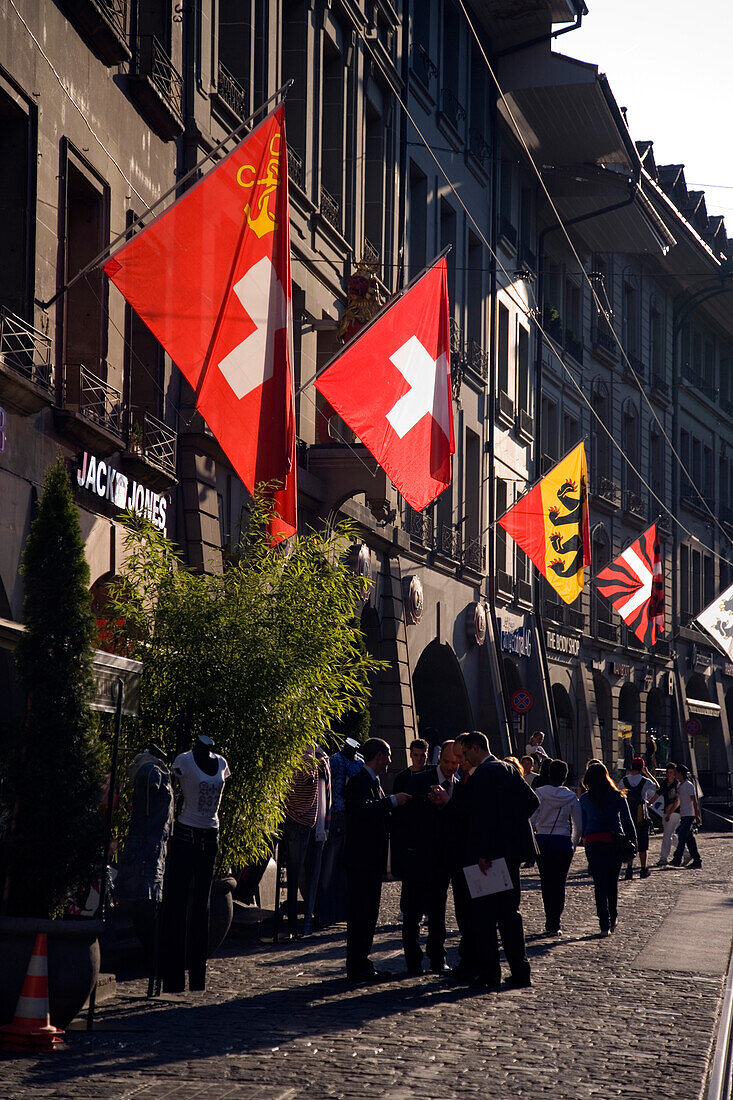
x=634, y=583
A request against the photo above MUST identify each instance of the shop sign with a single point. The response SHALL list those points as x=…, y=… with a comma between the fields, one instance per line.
x=514, y=636
x=562, y=643
x=621, y=670
x=476, y=623
x=412, y=594
x=97, y=476
x=701, y=661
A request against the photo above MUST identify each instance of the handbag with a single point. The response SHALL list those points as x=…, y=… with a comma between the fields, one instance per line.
x=624, y=847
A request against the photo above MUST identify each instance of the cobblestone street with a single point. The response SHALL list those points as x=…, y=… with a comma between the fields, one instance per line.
x=633, y=1015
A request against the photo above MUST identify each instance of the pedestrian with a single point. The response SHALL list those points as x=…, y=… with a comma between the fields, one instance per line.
x=527, y=765
x=535, y=749
x=332, y=889
x=640, y=788
x=368, y=818
x=650, y=752
x=514, y=761
x=689, y=816
x=299, y=837
x=493, y=822
x=557, y=824
x=605, y=816
x=670, y=812
x=404, y=826
x=426, y=865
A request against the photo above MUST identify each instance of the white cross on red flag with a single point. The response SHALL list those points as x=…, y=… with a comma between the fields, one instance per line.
x=392, y=387
x=634, y=583
x=210, y=277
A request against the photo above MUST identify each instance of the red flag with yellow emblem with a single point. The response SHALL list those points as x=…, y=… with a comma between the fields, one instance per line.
x=550, y=523
x=210, y=277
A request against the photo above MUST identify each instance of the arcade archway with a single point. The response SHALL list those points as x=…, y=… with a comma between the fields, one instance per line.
x=604, y=707
x=441, y=700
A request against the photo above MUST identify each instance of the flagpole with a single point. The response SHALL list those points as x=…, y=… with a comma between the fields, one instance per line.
x=282, y=91
x=377, y=316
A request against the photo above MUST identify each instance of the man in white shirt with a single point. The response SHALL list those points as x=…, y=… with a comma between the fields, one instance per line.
x=689, y=816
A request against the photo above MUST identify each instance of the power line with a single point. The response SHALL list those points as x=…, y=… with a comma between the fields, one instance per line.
x=594, y=294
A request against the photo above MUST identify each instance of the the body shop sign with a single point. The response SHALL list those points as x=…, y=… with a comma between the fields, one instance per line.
x=94, y=475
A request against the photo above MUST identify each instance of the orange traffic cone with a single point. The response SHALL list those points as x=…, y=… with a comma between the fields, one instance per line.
x=32, y=1030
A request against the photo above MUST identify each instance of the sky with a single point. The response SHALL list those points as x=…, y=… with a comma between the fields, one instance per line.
x=669, y=63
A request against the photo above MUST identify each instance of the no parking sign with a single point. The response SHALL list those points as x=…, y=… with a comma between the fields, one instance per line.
x=692, y=727
x=521, y=701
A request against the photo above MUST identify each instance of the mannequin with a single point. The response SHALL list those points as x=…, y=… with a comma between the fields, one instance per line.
x=200, y=775
x=141, y=865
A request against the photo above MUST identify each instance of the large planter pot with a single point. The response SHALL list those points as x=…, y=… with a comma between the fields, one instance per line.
x=221, y=911
x=73, y=963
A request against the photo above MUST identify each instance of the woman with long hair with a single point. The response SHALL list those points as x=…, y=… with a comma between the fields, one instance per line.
x=605, y=816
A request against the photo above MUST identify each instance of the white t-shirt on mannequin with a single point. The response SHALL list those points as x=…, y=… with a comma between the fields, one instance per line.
x=201, y=791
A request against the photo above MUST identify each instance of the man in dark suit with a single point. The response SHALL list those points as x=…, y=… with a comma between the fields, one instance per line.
x=426, y=864
x=368, y=814
x=492, y=822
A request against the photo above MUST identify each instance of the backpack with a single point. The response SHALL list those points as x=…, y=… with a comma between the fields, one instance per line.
x=634, y=797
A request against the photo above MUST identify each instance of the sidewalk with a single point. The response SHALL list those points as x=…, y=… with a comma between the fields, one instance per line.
x=634, y=1015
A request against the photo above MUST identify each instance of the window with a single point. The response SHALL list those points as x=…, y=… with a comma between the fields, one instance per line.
x=502, y=366
x=656, y=343
x=295, y=67
x=378, y=178
x=475, y=289
x=479, y=104
x=448, y=236
x=501, y=535
x=656, y=466
x=473, y=487
x=685, y=582
x=16, y=166
x=235, y=52
x=523, y=395
x=144, y=364
x=573, y=311
x=631, y=447
x=600, y=556
x=631, y=320
x=421, y=24
x=417, y=223
x=570, y=431
x=86, y=233
x=333, y=126
x=708, y=594
x=695, y=579
x=549, y=429
x=708, y=474
x=602, y=457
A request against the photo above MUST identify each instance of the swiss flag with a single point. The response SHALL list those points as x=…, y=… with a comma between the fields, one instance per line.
x=210, y=278
x=392, y=387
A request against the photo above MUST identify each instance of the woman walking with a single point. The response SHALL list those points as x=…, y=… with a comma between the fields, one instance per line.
x=557, y=825
x=671, y=817
x=605, y=816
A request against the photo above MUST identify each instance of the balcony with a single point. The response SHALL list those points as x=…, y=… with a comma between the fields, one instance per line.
x=157, y=86
x=26, y=373
x=419, y=526
x=555, y=612
x=448, y=542
x=370, y=254
x=330, y=210
x=607, y=632
x=573, y=346
x=524, y=592
x=422, y=66
x=453, y=109
x=232, y=93
x=698, y=382
x=552, y=323
x=473, y=555
x=92, y=410
x=602, y=337
x=151, y=448
x=478, y=360
x=701, y=505
x=104, y=22
x=527, y=256
x=635, y=505
x=479, y=148
x=660, y=388
x=575, y=619
x=635, y=365
x=296, y=174
x=504, y=584
x=504, y=408
x=508, y=231
x=524, y=426
x=606, y=490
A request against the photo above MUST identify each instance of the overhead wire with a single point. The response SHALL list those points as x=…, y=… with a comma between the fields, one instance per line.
x=511, y=290
x=594, y=294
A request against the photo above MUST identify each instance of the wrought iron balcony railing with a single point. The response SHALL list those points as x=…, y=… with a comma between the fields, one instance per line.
x=422, y=65
x=473, y=555
x=115, y=12
x=607, y=489
x=154, y=61
x=635, y=504
x=453, y=109
x=573, y=346
x=479, y=147
x=94, y=398
x=232, y=92
x=602, y=337
x=478, y=359
x=295, y=168
x=330, y=209
x=370, y=253
x=153, y=440
x=26, y=350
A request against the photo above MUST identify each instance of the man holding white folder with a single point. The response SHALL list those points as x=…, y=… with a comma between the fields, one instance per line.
x=494, y=836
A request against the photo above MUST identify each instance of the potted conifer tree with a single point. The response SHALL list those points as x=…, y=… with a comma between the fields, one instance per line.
x=53, y=781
